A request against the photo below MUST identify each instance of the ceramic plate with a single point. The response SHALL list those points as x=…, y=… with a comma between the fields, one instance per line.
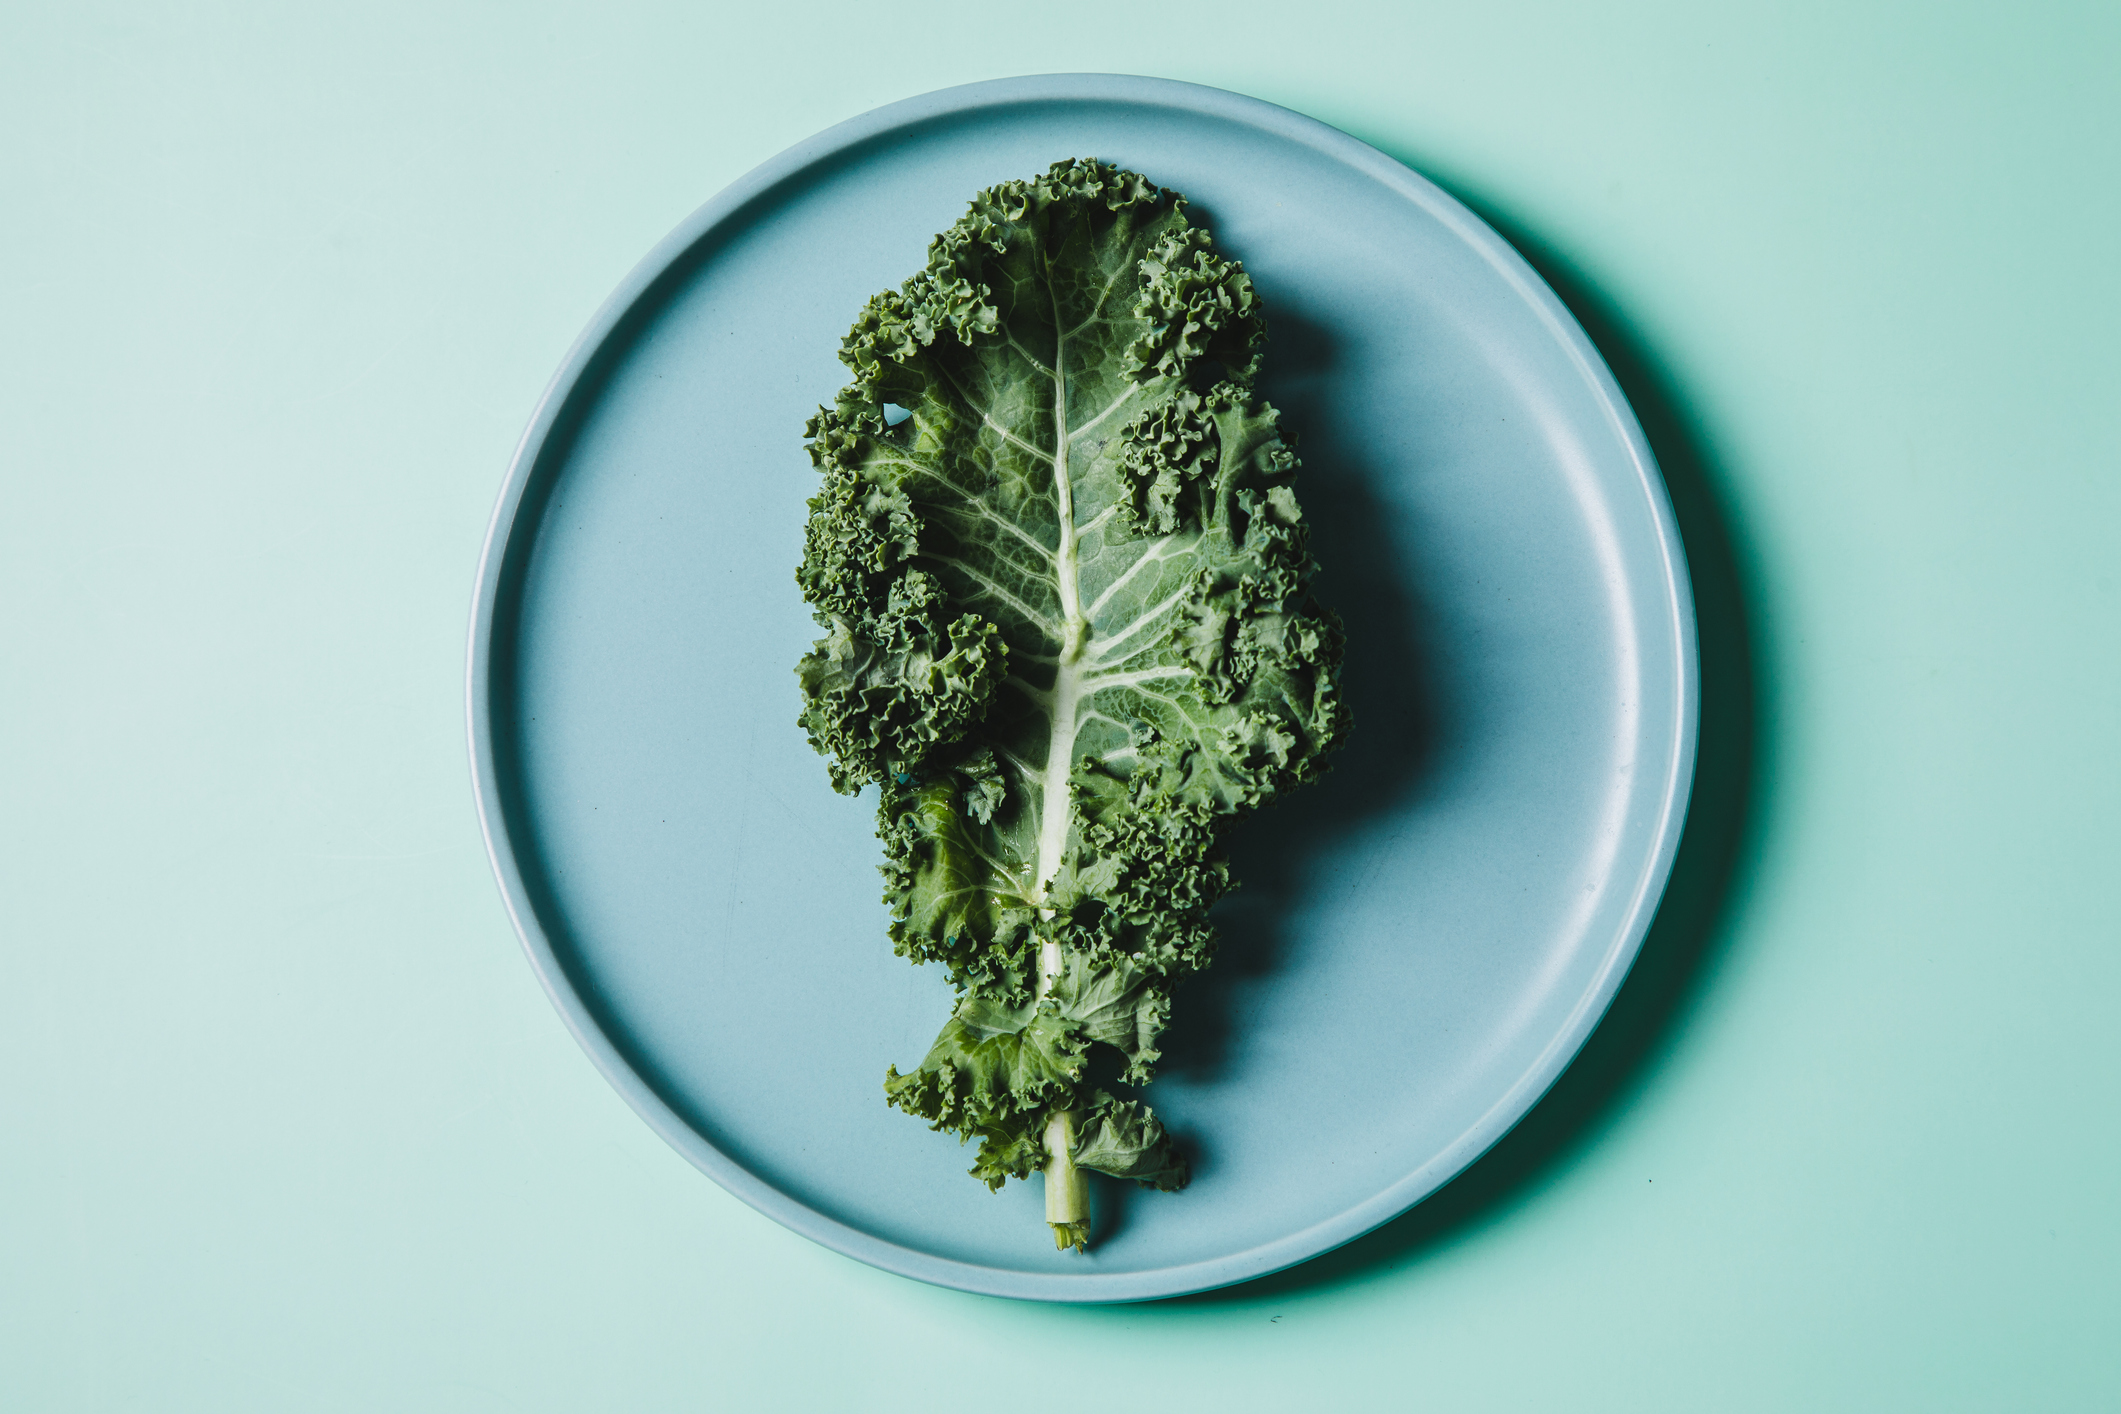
x=1423, y=939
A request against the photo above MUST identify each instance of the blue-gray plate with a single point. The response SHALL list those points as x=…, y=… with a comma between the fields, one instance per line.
x=1424, y=938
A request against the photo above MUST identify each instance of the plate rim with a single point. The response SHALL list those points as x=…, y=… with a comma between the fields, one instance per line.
x=499, y=554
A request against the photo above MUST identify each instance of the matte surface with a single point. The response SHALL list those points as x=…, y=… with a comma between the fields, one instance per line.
x=285, y=1122
x=1431, y=930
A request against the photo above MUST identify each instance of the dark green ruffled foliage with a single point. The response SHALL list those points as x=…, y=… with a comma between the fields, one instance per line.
x=1077, y=320
x=884, y=691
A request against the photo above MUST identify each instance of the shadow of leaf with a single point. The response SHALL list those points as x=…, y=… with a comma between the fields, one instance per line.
x=1396, y=714
x=1724, y=817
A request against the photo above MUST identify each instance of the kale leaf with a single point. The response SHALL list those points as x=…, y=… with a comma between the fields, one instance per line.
x=1069, y=635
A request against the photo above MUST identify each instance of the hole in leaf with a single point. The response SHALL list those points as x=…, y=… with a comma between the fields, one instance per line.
x=894, y=414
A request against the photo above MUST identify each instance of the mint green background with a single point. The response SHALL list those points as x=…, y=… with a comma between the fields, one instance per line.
x=285, y=1122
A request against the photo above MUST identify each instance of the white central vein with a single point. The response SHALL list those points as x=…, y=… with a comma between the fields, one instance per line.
x=1079, y=674
x=1068, y=685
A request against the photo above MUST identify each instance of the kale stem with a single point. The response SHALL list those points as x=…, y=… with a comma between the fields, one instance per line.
x=1067, y=1187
